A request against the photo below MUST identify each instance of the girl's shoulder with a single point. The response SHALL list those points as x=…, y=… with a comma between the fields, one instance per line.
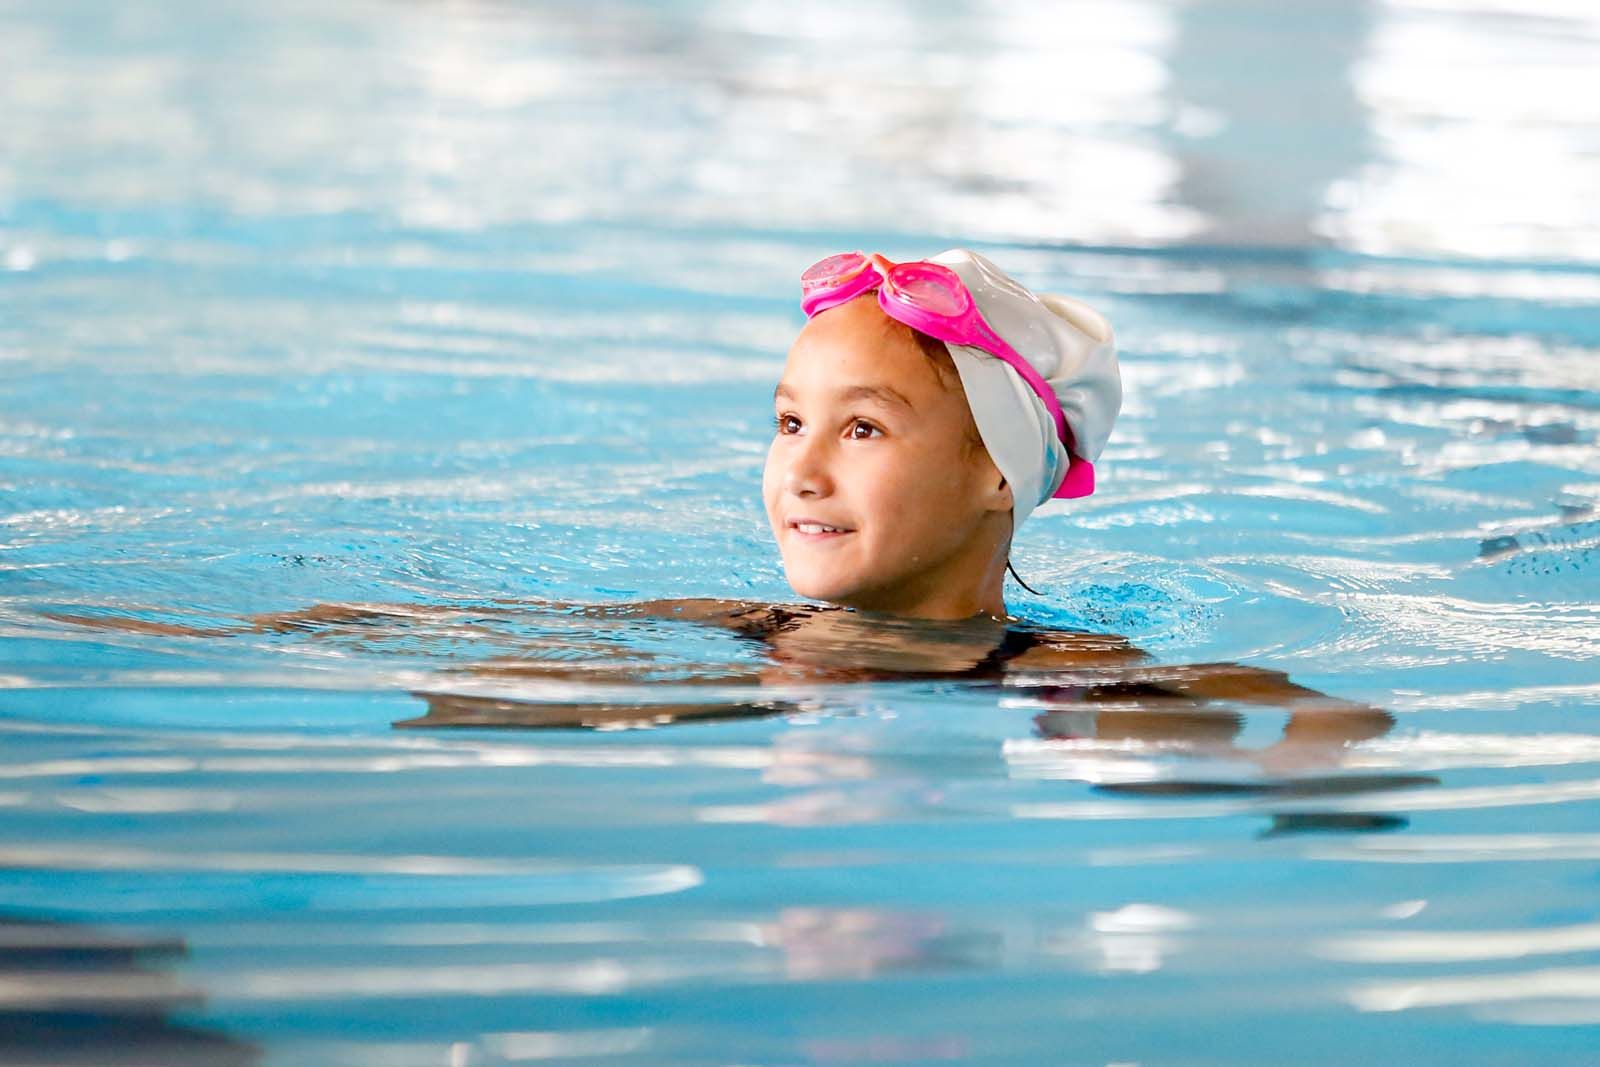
x=1042, y=648
x=752, y=617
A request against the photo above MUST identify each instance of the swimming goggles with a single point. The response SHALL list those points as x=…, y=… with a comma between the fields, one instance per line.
x=925, y=296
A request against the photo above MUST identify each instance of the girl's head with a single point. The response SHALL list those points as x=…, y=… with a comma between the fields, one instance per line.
x=878, y=490
x=901, y=465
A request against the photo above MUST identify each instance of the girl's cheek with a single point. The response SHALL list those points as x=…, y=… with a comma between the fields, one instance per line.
x=892, y=473
x=771, y=475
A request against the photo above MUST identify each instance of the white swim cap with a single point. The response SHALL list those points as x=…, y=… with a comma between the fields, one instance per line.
x=1072, y=347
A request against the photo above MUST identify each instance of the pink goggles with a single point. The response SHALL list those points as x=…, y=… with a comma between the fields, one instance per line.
x=932, y=298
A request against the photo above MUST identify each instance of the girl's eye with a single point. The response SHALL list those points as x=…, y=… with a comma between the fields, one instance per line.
x=858, y=426
x=787, y=424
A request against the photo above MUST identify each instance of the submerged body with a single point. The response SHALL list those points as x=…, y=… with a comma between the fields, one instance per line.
x=1079, y=683
x=1074, y=683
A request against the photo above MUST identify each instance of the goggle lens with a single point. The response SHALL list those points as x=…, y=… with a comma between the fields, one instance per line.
x=830, y=269
x=931, y=288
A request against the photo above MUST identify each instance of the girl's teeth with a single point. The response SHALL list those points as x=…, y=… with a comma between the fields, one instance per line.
x=816, y=528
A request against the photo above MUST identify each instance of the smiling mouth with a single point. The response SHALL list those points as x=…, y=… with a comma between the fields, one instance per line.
x=817, y=530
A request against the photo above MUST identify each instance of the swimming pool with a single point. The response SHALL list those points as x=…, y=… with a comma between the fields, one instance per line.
x=463, y=306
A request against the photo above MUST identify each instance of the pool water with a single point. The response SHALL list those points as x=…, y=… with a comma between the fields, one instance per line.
x=469, y=313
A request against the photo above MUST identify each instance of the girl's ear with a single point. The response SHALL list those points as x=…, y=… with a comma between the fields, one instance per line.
x=999, y=496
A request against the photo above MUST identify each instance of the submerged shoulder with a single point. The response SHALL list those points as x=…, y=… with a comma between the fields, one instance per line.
x=745, y=616
x=692, y=609
x=1045, y=648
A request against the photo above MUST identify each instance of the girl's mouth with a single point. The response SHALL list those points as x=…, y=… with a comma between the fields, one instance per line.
x=811, y=529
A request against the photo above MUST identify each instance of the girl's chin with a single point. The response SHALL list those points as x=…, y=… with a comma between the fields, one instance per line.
x=817, y=590
x=842, y=594
x=815, y=586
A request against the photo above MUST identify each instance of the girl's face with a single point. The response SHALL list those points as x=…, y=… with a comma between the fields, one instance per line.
x=875, y=494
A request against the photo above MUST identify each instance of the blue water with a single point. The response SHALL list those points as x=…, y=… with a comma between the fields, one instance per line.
x=471, y=312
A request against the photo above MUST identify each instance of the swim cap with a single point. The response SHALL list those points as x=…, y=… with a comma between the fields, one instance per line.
x=1072, y=347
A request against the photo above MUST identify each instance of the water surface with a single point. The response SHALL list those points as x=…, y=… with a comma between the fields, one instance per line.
x=475, y=309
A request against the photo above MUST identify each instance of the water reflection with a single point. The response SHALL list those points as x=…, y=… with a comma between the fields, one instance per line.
x=1080, y=683
x=1484, y=116
x=72, y=996
x=1387, y=126
x=1257, y=162
x=1091, y=694
x=1102, y=710
x=819, y=943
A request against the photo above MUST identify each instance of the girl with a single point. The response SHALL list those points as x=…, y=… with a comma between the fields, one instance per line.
x=925, y=410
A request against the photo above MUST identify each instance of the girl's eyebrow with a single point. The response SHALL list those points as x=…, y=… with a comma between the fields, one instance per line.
x=883, y=394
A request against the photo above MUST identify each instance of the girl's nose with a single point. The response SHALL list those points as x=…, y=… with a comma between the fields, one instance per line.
x=807, y=474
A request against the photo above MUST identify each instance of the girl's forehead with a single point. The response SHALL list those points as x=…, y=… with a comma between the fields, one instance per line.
x=855, y=351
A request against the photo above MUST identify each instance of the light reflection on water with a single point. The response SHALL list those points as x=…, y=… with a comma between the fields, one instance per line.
x=464, y=314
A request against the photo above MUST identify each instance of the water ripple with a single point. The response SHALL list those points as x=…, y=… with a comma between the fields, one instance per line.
x=401, y=324
x=110, y=879
x=1466, y=848
x=1457, y=946
x=1565, y=984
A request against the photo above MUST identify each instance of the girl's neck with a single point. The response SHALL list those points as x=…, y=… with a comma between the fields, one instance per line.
x=945, y=601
